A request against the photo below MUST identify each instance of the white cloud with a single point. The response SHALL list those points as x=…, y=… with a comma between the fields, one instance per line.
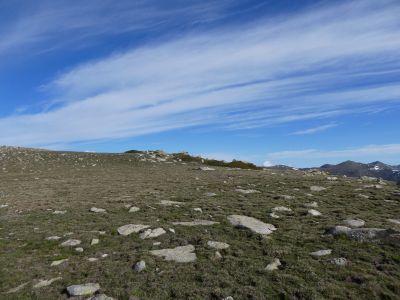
x=61, y=23
x=314, y=129
x=379, y=151
x=268, y=163
x=268, y=72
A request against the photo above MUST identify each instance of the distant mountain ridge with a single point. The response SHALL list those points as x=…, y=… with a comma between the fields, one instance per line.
x=355, y=169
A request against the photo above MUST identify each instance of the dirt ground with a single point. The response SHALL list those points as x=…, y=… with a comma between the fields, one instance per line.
x=35, y=183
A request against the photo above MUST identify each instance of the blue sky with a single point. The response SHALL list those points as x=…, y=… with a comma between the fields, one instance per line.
x=273, y=82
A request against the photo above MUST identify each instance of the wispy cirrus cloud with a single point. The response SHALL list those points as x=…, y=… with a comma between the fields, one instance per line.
x=369, y=151
x=315, y=129
x=45, y=25
x=267, y=72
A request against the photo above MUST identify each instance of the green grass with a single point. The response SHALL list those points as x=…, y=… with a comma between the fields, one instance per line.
x=67, y=183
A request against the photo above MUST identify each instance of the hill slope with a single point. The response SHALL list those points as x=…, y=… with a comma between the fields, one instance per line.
x=46, y=200
x=374, y=169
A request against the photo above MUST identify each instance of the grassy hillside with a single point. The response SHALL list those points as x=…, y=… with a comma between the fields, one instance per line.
x=36, y=184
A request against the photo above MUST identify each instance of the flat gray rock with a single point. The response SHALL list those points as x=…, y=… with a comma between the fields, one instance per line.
x=83, y=289
x=274, y=215
x=363, y=234
x=394, y=221
x=58, y=262
x=70, y=243
x=209, y=194
x=354, y=223
x=206, y=169
x=217, y=245
x=243, y=191
x=316, y=188
x=196, y=223
x=169, y=202
x=152, y=233
x=44, y=282
x=134, y=209
x=182, y=254
x=18, y=288
x=321, y=252
x=282, y=209
x=97, y=210
x=251, y=223
x=131, y=228
x=314, y=213
x=53, y=238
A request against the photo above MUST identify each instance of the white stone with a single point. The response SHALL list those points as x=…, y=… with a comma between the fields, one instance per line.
x=274, y=265
x=83, y=289
x=53, y=238
x=59, y=212
x=140, y=266
x=282, y=208
x=314, y=212
x=182, y=254
x=97, y=210
x=43, y=283
x=394, y=221
x=196, y=223
x=321, y=252
x=247, y=191
x=58, y=262
x=274, y=215
x=70, y=243
x=198, y=209
x=251, y=223
x=134, y=209
x=217, y=245
x=206, y=169
x=316, y=188
x=131, y=228
x=94, y=242
x=354, y=223
x=169, y=202
x=18, y=288
x=210, y=194
x=79, y=249
x=152, y=233
x=92, y=259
